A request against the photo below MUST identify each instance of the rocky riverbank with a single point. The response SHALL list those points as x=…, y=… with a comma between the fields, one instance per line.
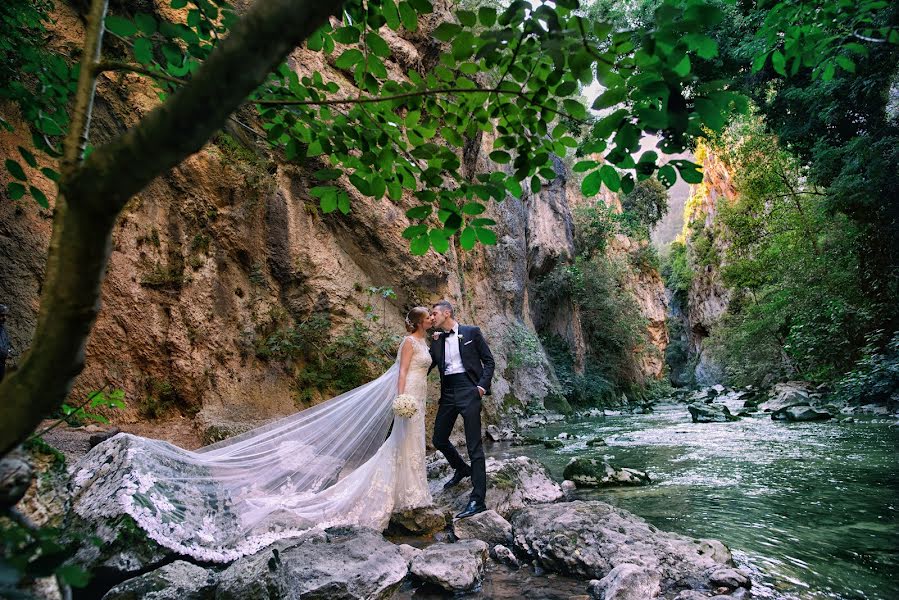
x=529, y=531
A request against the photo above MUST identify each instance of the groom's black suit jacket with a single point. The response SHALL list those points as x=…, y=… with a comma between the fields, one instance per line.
x=476, y=357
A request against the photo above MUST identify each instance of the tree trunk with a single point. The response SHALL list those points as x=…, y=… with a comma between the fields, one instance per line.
x=93, y=193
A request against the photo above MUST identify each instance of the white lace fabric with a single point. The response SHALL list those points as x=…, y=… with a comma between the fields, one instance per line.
x=330, y=465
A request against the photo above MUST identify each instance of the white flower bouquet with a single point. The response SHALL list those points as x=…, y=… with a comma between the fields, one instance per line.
x=405, y=405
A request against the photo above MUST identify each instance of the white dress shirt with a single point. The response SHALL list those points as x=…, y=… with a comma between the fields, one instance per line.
x=452, y=356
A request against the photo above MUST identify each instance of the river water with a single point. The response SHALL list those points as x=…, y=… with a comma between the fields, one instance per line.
x=811, y=508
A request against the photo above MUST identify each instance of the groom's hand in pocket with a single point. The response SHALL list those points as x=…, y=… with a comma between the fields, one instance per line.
x=481, y=391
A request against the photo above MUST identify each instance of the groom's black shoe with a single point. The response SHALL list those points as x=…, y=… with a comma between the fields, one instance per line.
x=474, y=507
x=457, y=477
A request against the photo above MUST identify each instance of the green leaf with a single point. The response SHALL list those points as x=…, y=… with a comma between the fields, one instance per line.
x=326, y=174
x=610, y=98
x=348, y=58
x=584, y=165
x=487, y=16
x=485, y=236
x=343, y=202
x=536, y=185
x=473, y=208
x=439, y=240
x=409, y=19
x=145, y=23
x=682, y=68
x=414, y=231
x=667, y=175
x=420, y=244
x=778, y=62
x=377, y=44
x=591, y=184
x=500, y=156
x=120, y=26
x=391, y=15
x=846, y=63
x=346, y=35
x=610, y=177
x=50, y=174
x=446, y=31
x=419, y=212
x=28, y=156
x=758, y=62
x=467, y=238
x=704, y=46
x=15, y=169
x=143, y=51
x=689, y=171
x=15, y=190
x=574, y=108
x=39, y=197
x=467, y=18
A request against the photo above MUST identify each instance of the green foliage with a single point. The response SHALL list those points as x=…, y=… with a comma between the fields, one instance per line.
x=593, y=226
x=33, y=552
x=643, y=207
x=676, y=271
x=587, y=388
x=875, y=377
x=324, y=364
x=801, y=304
x=160, y=398
x=645, y=258
x=610, y=317
x=524, y=348
x=101, y=400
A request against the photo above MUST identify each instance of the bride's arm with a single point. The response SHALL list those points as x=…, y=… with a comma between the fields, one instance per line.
x=405, y=361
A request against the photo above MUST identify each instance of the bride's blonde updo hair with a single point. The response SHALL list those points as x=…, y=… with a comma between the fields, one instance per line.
x=414, y=318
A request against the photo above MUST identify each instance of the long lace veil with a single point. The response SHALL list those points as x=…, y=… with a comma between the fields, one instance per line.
x=316, y=468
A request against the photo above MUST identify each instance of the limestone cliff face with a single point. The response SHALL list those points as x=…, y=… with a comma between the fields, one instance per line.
x=231, y=243
x=708, y=297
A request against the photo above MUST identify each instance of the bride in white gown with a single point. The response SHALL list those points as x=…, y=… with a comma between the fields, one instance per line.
x=329, y=465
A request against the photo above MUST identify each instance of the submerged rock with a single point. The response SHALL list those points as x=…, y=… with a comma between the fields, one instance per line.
x=346, y=563
x=179, y=580
x=596, y=442
x=590, y=539
x=710, y=413
x=455, y=567
x=527, y=440
x=592, y=472
x=550, y=444
x=800, y=413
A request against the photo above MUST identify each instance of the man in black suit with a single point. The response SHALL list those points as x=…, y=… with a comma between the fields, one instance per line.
x=466, y=367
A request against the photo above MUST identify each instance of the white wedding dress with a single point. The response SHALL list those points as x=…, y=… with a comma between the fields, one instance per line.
x=331, y=465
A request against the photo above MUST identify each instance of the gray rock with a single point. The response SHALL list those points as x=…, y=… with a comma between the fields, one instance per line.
x=568, y=487
x=802, y=413
x=710, y=413
x=626, y=582
x=502, y=554
x=346, y=564
x=551, y=444
x=179, y=580
x=408, y=552
x=16, y=474
x=786, y=394
x=596, y=442
x=592, y=472
x=589, y=539
x=487, y=526
x=417, y=521
x=102, y=436
x=729, y=578
x=691, y=595
x=511, y=484
x=527, y=441
x=455, y=567
x=124, y=548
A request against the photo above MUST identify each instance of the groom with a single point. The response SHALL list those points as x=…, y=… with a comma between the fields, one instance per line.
x=466, y=367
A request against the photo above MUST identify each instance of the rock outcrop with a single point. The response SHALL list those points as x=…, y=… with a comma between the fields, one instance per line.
x=455, y=567
x=593, y=472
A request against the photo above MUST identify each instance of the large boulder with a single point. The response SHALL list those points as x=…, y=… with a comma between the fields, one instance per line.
x=593, y=472
x=710, y=413
x=626, y=582
x=488, y=526
x=782, y=395
x=179, y=580
x=800, y=413
x=455, y=567
x=511, y=484
x=340, y=563
x=417, y=521
x=590, y=539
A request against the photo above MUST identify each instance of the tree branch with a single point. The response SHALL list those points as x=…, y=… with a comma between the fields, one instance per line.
x=93, y=193
x=110, y=65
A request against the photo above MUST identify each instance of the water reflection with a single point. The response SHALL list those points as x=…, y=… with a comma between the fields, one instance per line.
x=813, y=506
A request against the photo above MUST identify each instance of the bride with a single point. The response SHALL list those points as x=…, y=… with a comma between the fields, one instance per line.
x=329, y=465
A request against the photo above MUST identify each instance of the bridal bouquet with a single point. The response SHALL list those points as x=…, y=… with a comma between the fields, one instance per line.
x=405, y=405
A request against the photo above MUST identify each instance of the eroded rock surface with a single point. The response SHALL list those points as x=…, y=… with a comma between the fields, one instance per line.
x=596, y=472
x=488, y=526
x=455, y=567
x=179, y=580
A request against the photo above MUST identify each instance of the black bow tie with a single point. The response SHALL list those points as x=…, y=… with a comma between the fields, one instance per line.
x=446, y=334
